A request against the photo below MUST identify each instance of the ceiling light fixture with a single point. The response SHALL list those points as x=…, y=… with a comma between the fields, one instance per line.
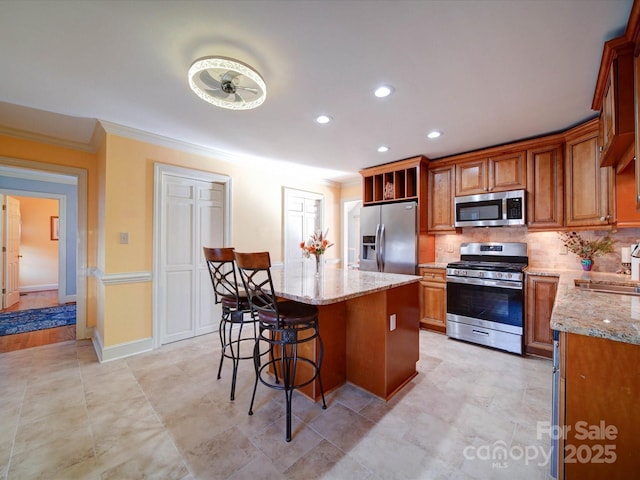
x=383, y=91
x=434, y=134
x=323, y=119
x=383, y=149
x=227, y=83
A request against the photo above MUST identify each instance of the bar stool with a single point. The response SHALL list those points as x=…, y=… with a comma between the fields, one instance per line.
x=221, y=265
x=284, y=326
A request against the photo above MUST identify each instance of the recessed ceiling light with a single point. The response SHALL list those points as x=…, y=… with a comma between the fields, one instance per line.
x=434, y=134
x=383, y=149
x=383, y=91
x=323, y=119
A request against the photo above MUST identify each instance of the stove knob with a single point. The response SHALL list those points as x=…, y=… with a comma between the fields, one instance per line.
x=509, y=275
x=498, y=275
x=481, y=274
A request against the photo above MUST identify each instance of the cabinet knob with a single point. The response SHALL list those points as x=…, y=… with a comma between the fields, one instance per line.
x=433, y=275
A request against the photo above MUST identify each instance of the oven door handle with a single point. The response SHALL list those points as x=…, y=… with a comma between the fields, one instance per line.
x=485, y=282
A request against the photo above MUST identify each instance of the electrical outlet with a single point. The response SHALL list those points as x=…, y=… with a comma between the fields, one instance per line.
x=392, y=322
x=124, y=238
x=563, y=250
x=449, y=247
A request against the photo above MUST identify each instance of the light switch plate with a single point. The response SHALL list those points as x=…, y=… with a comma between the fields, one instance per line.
x=124, y=238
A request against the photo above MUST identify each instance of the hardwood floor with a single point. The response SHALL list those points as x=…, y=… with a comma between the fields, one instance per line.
x=19, y=341
x=47, y=298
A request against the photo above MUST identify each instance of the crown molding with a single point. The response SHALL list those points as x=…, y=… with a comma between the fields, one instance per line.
x=49, y=140
x=211, y=152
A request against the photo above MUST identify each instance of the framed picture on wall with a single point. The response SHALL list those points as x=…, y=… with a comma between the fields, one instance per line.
x=54, y=228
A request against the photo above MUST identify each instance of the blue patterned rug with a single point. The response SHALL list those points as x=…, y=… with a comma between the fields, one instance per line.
x=37, y=319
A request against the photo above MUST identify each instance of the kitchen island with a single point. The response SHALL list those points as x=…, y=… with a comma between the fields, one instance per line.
x=369, y=325
x=599, y=378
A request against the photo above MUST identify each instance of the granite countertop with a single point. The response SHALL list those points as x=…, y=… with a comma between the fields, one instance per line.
x=298, y=282
x=596, y=314
x=432, y=265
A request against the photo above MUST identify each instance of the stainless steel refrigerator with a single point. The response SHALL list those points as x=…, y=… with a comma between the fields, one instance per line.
x=389, y=235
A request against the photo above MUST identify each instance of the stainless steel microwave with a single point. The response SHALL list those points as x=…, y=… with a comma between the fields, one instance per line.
x=490, y=209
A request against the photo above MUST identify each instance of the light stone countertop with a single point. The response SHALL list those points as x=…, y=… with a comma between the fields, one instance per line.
x=595, y=314
x=432, y=265
x=298, y=282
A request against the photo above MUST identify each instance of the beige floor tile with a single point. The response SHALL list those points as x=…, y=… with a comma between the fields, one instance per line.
x=53, y=459
x=328, y=462
x=221, y=456
x=164, y=414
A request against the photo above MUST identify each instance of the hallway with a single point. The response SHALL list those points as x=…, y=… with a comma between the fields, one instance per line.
x=19, y=341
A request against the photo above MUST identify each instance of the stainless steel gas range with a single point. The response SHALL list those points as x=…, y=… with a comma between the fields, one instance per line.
x=485, y=295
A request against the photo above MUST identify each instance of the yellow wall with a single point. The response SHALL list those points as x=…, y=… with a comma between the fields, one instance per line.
x=120, y=199
x=127, y=194
x=39, y=254
x=22, y=149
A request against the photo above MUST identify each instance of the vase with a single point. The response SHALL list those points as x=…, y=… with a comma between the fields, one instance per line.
x=587, y=263
x=318, y=265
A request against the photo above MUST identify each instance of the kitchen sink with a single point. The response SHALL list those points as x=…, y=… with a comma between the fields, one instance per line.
x=609, y=288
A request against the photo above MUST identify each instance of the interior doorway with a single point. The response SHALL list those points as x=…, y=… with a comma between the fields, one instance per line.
x=31, y=263
x=351, y=233
x=69, y=186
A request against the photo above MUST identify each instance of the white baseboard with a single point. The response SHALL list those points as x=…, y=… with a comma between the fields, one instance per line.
x=115, y=352
x=39, y=288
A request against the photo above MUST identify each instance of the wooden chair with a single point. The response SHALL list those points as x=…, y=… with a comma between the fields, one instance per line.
x=284, y=326
x=234, y=302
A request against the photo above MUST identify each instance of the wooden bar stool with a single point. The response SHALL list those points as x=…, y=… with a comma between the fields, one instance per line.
x=284, y=327
x=221, y=265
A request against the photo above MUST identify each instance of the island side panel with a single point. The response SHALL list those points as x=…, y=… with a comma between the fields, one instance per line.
x=379, y=360
x=602, y=392
x=403, y=343
x=366, y=342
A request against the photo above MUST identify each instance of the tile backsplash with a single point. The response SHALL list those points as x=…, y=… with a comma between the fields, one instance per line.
x=544, y=248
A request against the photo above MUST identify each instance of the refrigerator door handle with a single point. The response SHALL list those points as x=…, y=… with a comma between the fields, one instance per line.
x=382, y=248
x=377, y=248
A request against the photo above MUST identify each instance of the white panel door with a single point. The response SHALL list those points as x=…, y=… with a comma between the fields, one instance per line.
x=12, y=254
x=210, y=211
x=192, y=218
x=303, y=216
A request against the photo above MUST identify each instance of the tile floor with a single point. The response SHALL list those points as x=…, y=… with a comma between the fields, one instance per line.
x=164, y=415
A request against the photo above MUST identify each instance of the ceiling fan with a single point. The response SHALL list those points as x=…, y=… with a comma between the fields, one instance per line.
x=227, y=83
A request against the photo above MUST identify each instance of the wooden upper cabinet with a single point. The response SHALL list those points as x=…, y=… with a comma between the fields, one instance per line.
x=545, y=181
x=396, y=182
x=471, y=177
x=588, y=187
x=507, y=172
x=614, y=99
x=494, y=174
x=441, y=190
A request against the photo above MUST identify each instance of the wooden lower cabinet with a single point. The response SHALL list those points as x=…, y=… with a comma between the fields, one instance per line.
x=433, y=299
x=540, y=295
x=599, y=408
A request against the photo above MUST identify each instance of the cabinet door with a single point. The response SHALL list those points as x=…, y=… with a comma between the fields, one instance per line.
x=433, y=299
x=587, y=186
x=541, y=293
x=441, y=185
x=471, y=177
x=545, y=187
x=507, y=172
x=606, y=115
x=602, y=387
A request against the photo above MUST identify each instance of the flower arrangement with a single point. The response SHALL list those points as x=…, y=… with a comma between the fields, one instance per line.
x=316, y=245
x=587, y=249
